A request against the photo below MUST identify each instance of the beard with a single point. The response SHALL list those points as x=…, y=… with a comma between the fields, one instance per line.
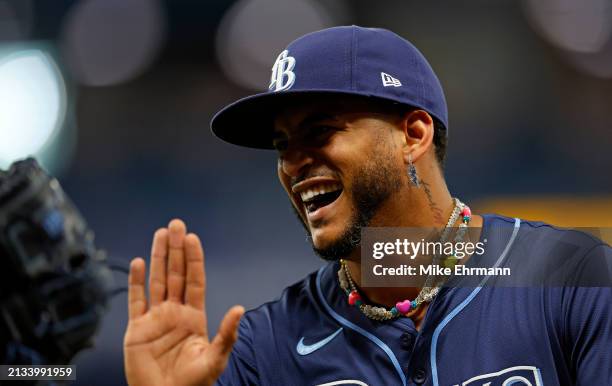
x=373, y=184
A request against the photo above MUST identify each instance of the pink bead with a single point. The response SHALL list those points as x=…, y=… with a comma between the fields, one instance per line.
x=466, y=211
x=403, y=307
x=353, y=297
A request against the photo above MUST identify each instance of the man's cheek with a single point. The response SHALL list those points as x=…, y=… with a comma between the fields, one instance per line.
x=346, y=206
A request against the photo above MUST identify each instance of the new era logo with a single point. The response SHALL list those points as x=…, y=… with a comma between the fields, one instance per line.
x=388, y=80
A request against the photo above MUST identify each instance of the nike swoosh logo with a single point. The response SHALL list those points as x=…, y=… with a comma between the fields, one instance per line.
x=303, y=349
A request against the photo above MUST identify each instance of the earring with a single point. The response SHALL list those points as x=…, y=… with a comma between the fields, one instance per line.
x=412, y=173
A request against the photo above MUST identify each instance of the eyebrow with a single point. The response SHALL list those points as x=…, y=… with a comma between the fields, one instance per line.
x=314, y=118
x=306, y=123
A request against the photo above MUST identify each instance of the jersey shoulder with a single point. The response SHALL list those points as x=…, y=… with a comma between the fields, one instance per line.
x=547, y=235
x=297, y=304
x=543, y=253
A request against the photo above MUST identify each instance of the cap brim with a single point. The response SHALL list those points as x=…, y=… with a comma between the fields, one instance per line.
x=249, y=121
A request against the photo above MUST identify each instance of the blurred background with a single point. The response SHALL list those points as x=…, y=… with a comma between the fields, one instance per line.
x=115, y=97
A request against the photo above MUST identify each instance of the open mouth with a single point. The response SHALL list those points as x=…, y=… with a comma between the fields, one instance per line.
x=320, y=196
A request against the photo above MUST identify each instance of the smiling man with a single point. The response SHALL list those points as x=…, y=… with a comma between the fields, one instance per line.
x=359, y=121
x=342, y=158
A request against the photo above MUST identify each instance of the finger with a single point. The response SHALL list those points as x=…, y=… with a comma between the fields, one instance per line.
x=227, y=335
x=157, y=277
x=137, y=302
x=196, y=278
x=176, y=260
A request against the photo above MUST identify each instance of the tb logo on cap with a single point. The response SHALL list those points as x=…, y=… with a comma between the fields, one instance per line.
x=283, y=76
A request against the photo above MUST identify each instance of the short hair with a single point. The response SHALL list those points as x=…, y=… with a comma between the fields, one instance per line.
x=440, y=141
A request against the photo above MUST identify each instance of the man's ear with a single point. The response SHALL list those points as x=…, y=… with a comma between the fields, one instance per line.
x=418, y=130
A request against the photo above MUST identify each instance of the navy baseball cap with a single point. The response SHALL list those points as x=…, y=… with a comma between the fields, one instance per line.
x=368, y=62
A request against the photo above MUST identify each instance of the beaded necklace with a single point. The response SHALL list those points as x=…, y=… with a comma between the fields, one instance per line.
x=429, y=290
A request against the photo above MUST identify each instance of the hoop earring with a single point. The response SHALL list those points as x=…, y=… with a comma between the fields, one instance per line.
x=412, y=173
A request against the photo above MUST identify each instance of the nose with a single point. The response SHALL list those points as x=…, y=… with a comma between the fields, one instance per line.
x=294, y=161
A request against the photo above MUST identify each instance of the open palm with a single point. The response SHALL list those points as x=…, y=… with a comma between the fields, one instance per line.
x=166, y=341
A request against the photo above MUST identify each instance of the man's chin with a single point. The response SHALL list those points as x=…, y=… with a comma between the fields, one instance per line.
x=327, y=254
x=320, y=244
x=332, y=249
x=325, y=238
x=322, y=239
x=332, y=241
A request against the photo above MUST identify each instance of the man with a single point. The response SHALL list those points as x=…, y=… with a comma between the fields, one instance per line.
x=359, y=121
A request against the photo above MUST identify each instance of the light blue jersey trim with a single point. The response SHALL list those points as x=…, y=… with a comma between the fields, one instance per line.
x=360, y=330
x=460, y=307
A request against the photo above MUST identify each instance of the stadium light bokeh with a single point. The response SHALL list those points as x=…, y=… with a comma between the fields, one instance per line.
x=581, y=30
x=251, y=32
x=108, y=42
x=33, y=100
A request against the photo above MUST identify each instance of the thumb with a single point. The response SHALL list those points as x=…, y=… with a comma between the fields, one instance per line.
x=222, y=344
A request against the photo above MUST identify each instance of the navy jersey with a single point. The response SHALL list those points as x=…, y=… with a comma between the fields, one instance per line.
x=478, y=336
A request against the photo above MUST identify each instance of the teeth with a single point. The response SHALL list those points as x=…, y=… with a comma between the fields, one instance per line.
x=309, y=194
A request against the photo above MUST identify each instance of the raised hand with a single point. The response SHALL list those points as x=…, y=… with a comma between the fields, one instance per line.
x=166, y=342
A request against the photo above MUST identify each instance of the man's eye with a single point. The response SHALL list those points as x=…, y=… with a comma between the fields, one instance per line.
x=321, y=132
x=280, y=144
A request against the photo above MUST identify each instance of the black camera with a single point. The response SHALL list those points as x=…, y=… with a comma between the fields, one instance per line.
x=54, y=282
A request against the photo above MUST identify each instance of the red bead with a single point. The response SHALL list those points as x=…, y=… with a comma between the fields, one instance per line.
x=466, y=212
x=353, y=297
